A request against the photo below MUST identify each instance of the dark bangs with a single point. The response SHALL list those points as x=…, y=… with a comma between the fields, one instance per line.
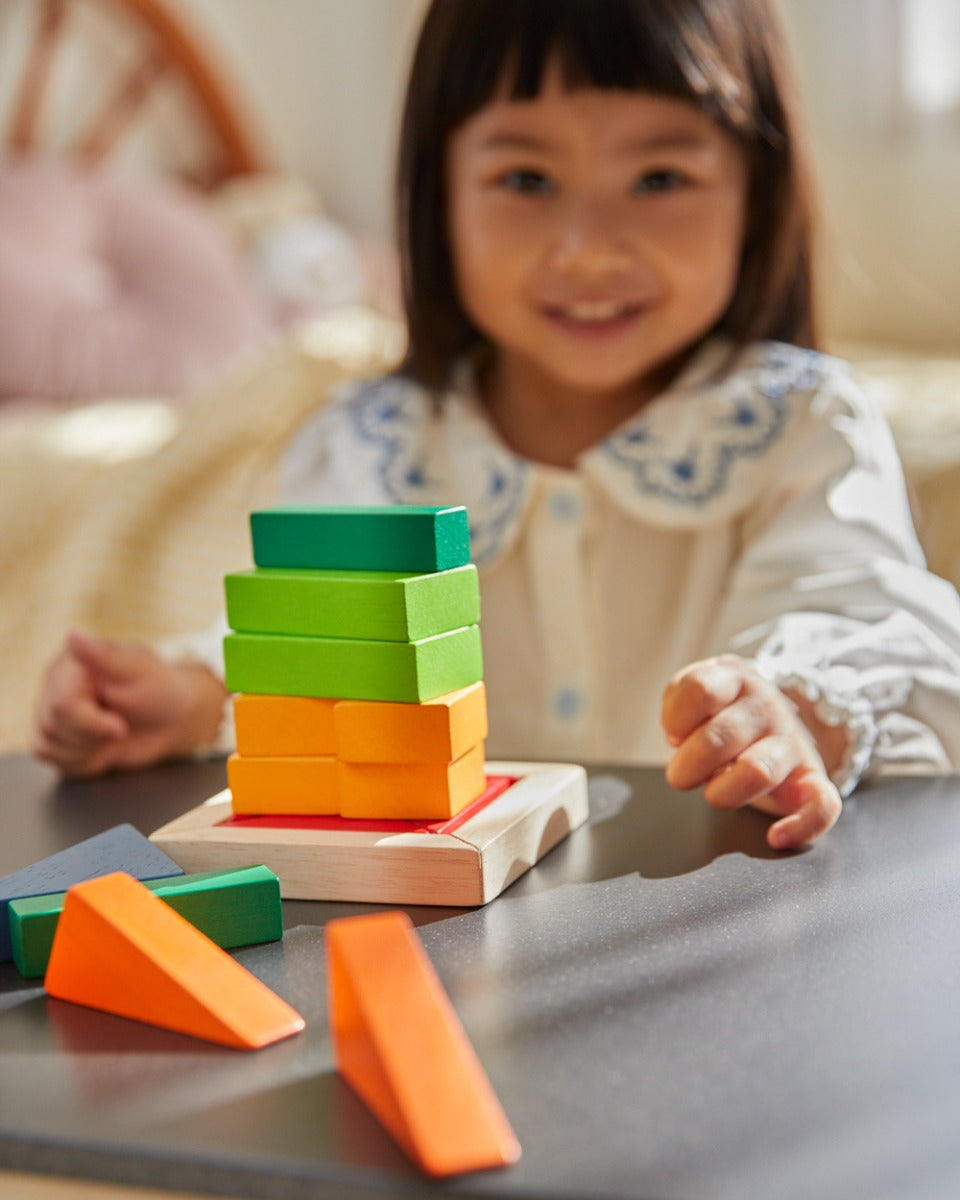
x=724, y=56
x=671, y=47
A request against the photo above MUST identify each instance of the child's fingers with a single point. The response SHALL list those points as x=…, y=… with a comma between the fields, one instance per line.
x=75, y=718
x=697, y=693
x=108, y=662
x=759, y=771
x=819, y=807
x=75, y=758
x=718, y=742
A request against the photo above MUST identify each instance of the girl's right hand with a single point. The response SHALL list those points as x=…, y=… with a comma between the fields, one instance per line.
x=117, y=705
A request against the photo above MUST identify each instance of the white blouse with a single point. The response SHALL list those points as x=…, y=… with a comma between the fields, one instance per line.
x=762, y=512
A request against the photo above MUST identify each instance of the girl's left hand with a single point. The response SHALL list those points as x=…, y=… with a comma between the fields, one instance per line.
x=743, y=740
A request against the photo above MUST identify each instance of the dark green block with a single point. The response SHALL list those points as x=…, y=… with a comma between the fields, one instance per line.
x=233, y=908
x=350, y=669
x=370, y=605
x=389, y=538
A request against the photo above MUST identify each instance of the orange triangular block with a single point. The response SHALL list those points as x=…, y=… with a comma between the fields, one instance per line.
x=119, y=948
x=400, y=1045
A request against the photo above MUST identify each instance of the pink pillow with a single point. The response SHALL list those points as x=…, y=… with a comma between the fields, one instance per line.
x=113, y=286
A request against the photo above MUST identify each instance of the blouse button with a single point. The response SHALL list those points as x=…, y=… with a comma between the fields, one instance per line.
x=568, y=702
x=565, y=506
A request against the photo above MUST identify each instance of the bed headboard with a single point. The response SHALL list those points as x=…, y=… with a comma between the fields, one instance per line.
x=121, y=80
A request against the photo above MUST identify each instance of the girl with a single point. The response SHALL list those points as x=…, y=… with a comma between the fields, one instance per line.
x=688, y=523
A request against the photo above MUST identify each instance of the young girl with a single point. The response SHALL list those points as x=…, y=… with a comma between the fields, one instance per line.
x=692, y=529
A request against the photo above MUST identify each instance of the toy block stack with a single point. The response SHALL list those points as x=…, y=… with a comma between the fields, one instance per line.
x=361, y=721
x=356, y=658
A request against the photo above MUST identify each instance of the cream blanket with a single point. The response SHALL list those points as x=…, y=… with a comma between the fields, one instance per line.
x=121, y=518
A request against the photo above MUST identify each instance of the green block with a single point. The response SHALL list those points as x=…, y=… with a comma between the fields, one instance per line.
x=233, y=908
x=390, y=538
x=370, y=605
x=350, y=669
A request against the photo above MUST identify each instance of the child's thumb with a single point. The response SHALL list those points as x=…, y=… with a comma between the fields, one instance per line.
x=105, y=659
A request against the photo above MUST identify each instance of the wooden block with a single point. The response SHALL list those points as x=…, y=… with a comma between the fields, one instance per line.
x=400, y=1045
x=463, y=862
x=389, y=538
x=269, y=726
x=371, y=605
x=120, y=949
x=415, y=791
x=121, y=848
x=436, y=731
x=284, y=785
x=352, y=669
x=233, y=908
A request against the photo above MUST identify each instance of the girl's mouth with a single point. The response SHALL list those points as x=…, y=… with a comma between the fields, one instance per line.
x=594, y=316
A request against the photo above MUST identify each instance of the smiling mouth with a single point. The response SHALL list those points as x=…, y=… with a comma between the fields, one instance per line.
x=594, y=315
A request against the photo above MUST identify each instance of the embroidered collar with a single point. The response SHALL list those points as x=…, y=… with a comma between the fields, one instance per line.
x=697, y=453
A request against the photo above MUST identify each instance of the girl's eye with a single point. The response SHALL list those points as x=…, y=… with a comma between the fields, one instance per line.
x=658, y=181
x=527, y=182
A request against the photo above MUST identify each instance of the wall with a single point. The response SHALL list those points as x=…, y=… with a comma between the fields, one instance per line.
x=880, y=80
x=325, y=80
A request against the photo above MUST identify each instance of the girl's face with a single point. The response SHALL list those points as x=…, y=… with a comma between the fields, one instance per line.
x=595, y=236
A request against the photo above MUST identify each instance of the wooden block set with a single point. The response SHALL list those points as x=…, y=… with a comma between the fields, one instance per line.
x=359, y=775
x=361, y=717
x=151, y=951
x=356, y=655
x=132, y=935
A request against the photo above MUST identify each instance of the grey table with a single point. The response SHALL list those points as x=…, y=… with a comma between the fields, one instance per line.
x=664, y=1007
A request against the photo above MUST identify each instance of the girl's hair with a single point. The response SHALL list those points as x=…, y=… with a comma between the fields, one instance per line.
x=725, y=56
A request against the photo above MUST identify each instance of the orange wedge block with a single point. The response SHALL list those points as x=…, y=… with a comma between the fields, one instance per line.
x=121, y=949
x=399, y=1044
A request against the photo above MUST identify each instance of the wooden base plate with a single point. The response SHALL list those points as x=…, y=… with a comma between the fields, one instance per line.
x=462, y=862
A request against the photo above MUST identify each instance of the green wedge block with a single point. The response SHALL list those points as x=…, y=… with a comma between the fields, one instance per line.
x=233, y=908
x=352, y=669
x=390, y=538
x=370, y=605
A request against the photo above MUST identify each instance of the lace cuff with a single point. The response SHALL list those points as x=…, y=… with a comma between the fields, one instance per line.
x=835, y=707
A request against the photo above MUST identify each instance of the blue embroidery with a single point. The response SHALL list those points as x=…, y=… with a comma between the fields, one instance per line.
x=740, y=419
x=394, y=415
x=744, y=424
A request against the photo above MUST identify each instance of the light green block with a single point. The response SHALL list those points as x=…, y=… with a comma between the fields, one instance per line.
x=370, y=605
x=389, y=538
x=233, y=908
x=351, y=669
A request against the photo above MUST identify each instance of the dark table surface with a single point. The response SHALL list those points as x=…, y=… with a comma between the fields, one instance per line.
x=664, y=1007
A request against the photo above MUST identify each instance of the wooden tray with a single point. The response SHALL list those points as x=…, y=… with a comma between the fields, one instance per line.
x=466, y=861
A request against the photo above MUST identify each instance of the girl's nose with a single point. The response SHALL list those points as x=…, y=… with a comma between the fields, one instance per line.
x=589, y=236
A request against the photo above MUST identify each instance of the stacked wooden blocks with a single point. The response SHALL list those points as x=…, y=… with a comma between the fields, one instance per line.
x=356, y=657
x=361, y=721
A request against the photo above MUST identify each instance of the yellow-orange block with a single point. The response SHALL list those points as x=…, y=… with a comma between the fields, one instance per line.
x=120, y=948
x=400, y=1045
x=411, y=791
x=268, y=726
x=436, y=731
x=305, y=786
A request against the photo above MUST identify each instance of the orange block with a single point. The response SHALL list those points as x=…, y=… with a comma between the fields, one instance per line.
x=399, y=1044
x=120, y=948
x=412, y=791
x=283, y=786
x=438, y=730
x=268, y=726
